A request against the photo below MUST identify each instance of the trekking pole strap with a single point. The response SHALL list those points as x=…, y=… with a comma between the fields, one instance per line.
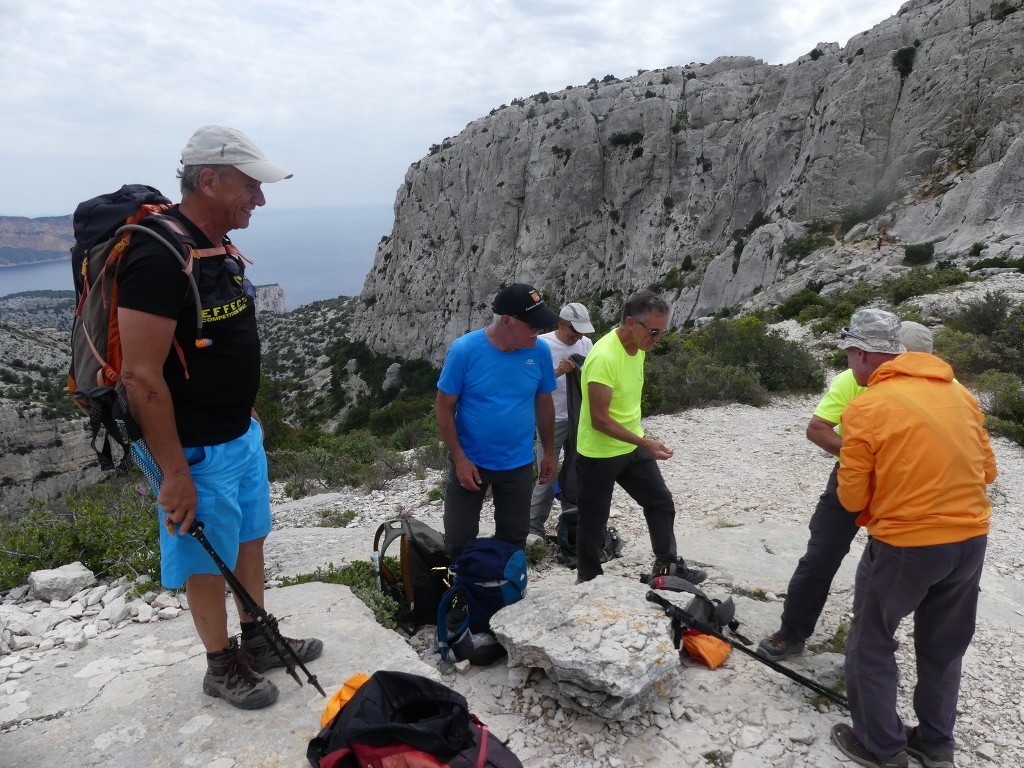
x=674, y=611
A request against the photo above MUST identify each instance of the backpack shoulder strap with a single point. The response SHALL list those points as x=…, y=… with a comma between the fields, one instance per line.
x=444, y=637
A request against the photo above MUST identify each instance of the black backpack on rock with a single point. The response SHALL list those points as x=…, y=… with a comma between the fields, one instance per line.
x=423, y=569
x=400, y=719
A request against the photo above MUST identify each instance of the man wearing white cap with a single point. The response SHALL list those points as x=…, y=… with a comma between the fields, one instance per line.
x=193, y=403
x=564, y=342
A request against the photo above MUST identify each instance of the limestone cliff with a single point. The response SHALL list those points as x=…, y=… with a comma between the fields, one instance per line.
x=698, y=179
x=30, y=241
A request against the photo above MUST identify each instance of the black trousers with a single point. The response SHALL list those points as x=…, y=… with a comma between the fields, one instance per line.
x=511, y=490
x=639, y=476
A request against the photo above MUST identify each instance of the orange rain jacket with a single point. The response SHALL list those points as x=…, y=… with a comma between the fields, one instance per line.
x=915, y=457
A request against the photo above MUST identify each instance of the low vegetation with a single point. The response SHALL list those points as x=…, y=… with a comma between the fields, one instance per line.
x=727, y=361
x=111, y=528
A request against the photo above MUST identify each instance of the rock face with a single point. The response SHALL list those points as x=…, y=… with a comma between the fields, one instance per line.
x=27, y=241
x=269, y=298
x=699, y=179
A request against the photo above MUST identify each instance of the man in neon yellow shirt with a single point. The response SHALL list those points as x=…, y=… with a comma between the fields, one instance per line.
x=832, y=527
x=611, y=443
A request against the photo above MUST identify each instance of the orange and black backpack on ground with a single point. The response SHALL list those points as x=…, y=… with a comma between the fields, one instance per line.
x=103, y=228
x=398, y=719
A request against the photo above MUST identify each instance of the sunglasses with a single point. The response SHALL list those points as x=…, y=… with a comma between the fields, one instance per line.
x=655, y=332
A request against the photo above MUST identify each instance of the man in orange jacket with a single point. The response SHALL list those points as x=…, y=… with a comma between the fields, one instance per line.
x=916, y=459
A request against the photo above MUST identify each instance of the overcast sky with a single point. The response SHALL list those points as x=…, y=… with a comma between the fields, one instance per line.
x=345, y=93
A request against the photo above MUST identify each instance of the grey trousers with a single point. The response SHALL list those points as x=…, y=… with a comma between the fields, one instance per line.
x=939, y=586
x=544, y=493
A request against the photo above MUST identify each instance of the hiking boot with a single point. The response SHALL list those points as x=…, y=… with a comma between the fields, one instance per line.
x=229, y=677
x=848, y=743
x=262, y=657
x=778, y=647
x=930, y=757
x=678, y=568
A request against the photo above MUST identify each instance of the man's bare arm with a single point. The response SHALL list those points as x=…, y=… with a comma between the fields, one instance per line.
x=465, y=470
x=600, y=397
x=822, y=433
x=145, y=342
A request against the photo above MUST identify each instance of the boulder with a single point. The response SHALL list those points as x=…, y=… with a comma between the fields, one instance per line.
x=602, y=647
x=60, y=583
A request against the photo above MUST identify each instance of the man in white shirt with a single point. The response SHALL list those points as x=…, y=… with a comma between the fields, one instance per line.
x=564, y=341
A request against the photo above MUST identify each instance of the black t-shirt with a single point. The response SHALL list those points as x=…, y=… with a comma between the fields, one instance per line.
x=213, y=404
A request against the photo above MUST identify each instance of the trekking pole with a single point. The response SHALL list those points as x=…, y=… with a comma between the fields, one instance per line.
x=674, y=611
x=265, y=621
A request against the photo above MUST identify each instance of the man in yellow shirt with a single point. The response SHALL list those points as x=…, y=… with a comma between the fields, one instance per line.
x=612, y=447
x=832, y=527
x=916, y=459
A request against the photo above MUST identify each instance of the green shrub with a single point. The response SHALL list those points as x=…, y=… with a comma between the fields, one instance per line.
x=798, y=302
x=333, y=461
x=903, y=60
x=1005, y=395
x=331, y=519
x=794, y=250
x=918, y=253
x=726, y=361
x=982, y=316
x=920, y=281
x=111, y=528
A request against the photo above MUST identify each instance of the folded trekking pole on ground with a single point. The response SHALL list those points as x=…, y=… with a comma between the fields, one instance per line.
x=675, y=612
x=265, y=621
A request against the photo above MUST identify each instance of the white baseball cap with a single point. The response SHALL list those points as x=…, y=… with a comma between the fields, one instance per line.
x=578, y=317
x=216, y=145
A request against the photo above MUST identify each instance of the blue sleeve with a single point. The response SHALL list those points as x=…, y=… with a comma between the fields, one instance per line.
x=453, y=372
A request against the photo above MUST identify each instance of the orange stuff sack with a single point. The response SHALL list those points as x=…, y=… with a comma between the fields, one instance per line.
x=342, y=696
x=707, y=649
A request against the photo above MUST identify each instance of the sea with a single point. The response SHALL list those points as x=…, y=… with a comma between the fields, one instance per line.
x=312, y=253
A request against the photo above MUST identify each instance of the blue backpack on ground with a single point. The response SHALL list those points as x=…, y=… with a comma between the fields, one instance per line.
x=489, y=574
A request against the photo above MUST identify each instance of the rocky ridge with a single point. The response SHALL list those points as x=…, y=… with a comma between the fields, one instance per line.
x=43, y=451
x=701, y=180
x=745, y=481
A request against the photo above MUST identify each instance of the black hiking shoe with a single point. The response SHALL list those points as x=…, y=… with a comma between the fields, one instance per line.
x=262, y=657
x=930, y=757
x=678, y=568
x=848, y=743
x=229, y=677
x=778, y=647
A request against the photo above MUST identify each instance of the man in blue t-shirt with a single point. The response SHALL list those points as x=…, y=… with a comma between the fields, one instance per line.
x=494, y=390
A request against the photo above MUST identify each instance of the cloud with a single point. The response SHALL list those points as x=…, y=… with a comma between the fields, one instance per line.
x=346, y=93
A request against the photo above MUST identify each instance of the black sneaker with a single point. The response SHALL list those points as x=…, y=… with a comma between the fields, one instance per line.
x=229, y=677
x=778, y=647
x=678, y=568
x=848, y=743
x=930, y=757
x=262, y=657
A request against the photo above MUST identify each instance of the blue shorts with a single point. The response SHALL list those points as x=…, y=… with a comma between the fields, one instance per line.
x=233, y=503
